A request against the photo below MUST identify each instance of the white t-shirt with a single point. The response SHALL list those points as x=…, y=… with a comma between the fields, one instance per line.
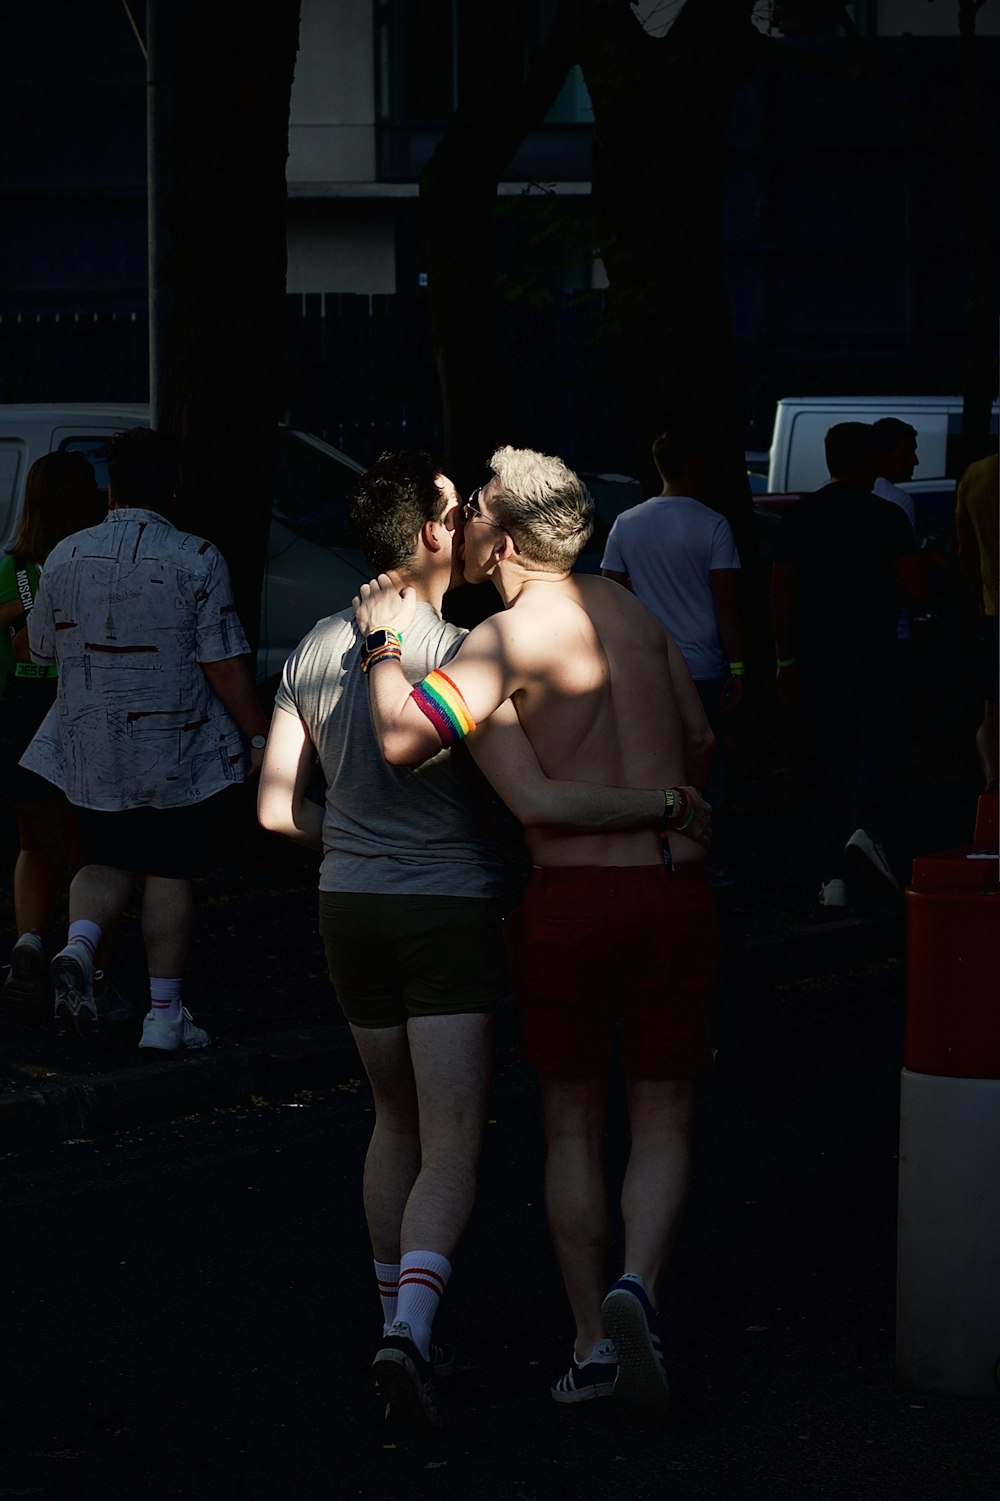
x=668, y=546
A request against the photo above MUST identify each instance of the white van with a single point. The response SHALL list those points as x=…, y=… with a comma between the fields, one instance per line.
x=313, y=567
x=797, y=462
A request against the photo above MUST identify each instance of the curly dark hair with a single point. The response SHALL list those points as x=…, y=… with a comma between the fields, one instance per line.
x=390, y=504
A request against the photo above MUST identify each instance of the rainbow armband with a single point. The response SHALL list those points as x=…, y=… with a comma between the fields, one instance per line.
x=440, y=700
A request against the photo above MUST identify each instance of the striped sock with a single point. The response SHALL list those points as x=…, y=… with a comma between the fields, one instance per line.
x=423, y=1277
x=387, y=1277
x=87, y=933
x=165, y=997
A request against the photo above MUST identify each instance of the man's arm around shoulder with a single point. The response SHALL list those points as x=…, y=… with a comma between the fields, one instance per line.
x=412, y=724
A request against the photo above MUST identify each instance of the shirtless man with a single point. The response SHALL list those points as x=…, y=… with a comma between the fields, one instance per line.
x=606, y=935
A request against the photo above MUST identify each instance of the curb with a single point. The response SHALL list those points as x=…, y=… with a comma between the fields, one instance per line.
x=165, y=1088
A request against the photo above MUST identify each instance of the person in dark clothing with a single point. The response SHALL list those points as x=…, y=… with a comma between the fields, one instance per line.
x=845, y=559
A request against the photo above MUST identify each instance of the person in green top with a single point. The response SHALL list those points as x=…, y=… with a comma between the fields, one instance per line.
x=61, y=497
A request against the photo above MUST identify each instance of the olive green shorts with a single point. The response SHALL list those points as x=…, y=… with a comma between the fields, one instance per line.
x=393, y=957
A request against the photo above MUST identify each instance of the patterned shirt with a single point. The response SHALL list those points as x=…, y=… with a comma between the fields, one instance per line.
x=128, y=610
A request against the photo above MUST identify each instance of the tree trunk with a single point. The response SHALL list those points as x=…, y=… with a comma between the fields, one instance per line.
x=661, y=108
x=458, y=192
x=220, y=77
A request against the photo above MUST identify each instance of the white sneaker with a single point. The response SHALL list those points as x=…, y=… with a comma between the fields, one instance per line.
x=833, y=893
x=169, y=1037
x=862, y=843
x=75, y=1009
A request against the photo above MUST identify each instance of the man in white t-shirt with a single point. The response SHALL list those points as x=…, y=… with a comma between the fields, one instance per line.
x=680, y=558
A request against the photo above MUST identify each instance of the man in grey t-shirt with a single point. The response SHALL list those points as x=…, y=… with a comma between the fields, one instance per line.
x=410, y=914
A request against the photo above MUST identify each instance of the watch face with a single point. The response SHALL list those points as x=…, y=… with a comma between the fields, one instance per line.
x=376, y=640
x=258, y=742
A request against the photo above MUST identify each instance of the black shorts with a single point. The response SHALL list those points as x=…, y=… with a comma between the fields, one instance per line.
x=393, y=957
x=177, y=843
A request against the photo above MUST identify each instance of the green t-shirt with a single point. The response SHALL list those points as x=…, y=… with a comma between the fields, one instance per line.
x=9, y=590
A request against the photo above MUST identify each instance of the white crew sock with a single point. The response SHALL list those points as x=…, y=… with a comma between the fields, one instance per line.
x=86, y=933
x=387, y=1277
x=165, y=997
x=423, y=1277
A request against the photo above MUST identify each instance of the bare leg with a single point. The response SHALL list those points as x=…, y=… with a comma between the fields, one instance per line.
x=451, y=1057
x=393, y=1158
x=42, y=867
x=99, y=894
x=167, y=921
x=575, y=1197
x=658, y=1174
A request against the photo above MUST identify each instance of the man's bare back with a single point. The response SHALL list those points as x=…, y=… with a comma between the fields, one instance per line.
x=603, y=696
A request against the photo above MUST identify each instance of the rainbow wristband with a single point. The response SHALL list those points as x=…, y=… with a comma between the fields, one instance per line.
x=440, y=700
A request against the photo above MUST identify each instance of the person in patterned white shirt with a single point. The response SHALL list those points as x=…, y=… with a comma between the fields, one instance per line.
x=155, y=701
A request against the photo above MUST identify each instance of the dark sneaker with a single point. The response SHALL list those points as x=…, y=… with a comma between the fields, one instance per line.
x=595, y=1377
x=404, y=1378
x=442, y=1361
x=25, y=990
x=641, y=1389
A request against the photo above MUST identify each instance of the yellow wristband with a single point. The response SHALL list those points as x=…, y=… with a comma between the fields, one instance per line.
x=737, y=669
x=786, y=661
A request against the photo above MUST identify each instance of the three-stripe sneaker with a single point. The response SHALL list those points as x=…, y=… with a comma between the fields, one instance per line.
x=633, y=1324
x=590, y=1378
x=404, y=1377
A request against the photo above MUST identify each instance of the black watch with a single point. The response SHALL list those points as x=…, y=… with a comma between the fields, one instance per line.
x=377, y=639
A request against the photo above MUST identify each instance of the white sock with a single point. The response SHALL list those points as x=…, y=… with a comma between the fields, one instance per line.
x=387, y=1277
x=423, y=1277
x=86, y=933
x=165, y=997
x=604, y=1353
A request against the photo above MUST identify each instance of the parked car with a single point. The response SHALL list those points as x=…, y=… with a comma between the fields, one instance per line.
x=312, y=568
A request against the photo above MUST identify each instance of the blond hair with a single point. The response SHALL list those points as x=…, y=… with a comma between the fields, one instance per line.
x=545, y=507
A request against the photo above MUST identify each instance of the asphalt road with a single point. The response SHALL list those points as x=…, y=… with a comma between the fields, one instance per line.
x=189, y=1308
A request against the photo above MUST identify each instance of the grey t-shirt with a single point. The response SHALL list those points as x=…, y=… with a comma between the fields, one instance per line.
x=389, y=828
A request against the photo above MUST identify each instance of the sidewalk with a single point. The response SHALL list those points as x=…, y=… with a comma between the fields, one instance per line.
x=257, y=978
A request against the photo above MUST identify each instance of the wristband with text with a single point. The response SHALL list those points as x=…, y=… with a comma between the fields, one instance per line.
x=737, y=669
x=678, y=810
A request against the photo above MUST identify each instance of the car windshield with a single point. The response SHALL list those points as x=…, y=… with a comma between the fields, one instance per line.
x=312, y=484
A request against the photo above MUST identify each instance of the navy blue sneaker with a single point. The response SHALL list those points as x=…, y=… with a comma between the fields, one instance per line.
x=633, y=1323
x=404, y=1378
x=595, y=1377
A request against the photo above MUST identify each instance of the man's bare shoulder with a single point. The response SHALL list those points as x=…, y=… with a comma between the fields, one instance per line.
x=612, y=607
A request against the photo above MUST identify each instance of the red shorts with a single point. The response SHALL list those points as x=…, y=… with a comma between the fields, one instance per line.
x=596, y=948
